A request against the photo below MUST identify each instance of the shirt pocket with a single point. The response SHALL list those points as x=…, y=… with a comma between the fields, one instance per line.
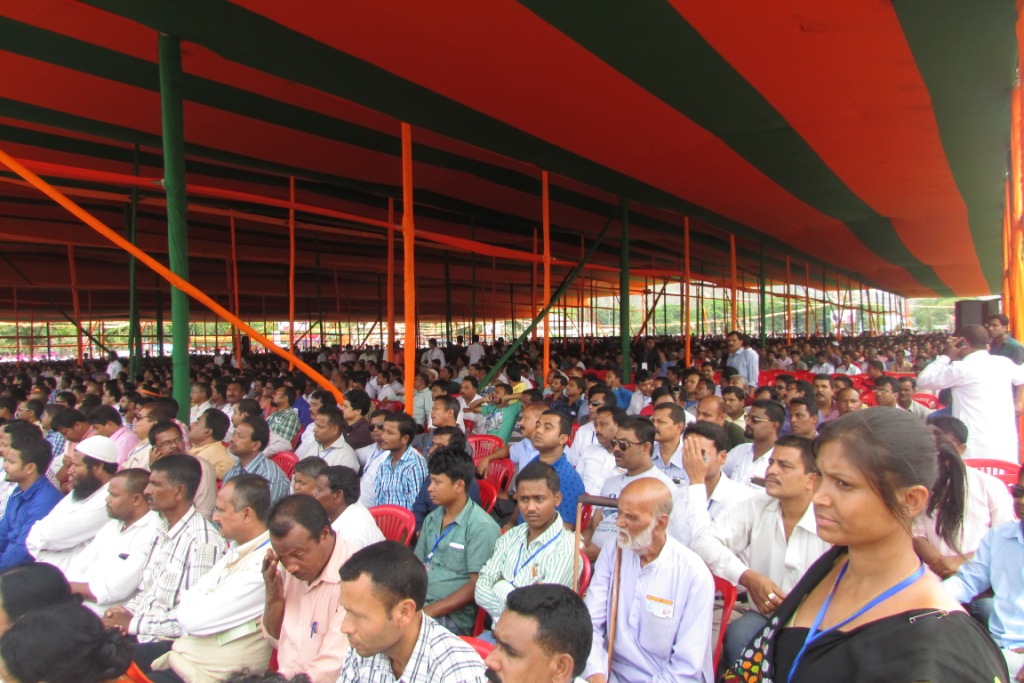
x=657, y=633
x=453, y=557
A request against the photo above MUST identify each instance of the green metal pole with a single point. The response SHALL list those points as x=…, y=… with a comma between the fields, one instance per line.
x=172, y=113
x=761, y=287
x=570, y=277
x=624, y=292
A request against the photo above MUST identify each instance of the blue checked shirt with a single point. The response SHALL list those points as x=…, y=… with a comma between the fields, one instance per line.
x=279, y=484
x=398, y=483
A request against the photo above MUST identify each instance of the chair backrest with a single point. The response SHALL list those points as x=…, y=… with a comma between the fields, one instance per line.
x=395, y=522
x=392, y=406
x=588, y=512
x=483, y=445
x=500, y=473
x=586, y=573
x=488, y=494
x=1004, y=471
x=728, y=592
x=868, y=398
x=286, y=460
x=927, y=400
x=572, y=433
x=482, y=647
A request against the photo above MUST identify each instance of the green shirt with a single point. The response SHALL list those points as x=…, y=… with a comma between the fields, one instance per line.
x=501, y=421
x=458, y=551
x=1011, y=348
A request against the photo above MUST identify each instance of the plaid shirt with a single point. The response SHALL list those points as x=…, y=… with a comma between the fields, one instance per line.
x=264, y=467
x=285, y=423
x=179, y=558
x=398, y=484
x=439, y=656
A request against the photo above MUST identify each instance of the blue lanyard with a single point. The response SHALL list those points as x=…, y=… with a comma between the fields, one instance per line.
x=813, y=634
x=437, y=541
x=531, y=557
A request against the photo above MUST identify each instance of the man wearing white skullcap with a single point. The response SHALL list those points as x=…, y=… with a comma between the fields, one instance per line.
x=69, y=527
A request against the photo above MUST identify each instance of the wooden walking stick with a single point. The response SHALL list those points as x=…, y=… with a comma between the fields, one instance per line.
x=601, y=501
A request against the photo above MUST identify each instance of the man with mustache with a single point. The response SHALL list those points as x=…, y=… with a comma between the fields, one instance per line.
x=665, y=597
x=775, y=531
x=747, y=463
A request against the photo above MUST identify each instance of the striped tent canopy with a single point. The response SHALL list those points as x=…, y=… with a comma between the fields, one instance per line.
x=867, y=139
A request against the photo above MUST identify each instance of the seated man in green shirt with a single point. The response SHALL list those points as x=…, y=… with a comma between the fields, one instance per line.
x=456, y=541
x=500, y=416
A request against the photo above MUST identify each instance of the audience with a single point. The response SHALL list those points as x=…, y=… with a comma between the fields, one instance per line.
x=337, y=489
x=26, y=461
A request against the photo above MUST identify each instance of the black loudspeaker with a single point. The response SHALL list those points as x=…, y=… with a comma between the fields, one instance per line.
x=245, y=345
x=975, y=312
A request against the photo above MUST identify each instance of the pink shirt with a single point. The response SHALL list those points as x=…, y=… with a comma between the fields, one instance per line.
x=125, y=440
x=311, y=640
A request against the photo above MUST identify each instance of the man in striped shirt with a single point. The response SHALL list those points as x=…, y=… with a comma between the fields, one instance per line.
x=186, y=548
x=399, y=476
x=540, y=550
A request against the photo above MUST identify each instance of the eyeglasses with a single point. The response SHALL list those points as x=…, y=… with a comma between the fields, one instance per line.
x=375, y=427
x=1017, y=491
x=756, y=419
x=597, y=404
x=624, y=445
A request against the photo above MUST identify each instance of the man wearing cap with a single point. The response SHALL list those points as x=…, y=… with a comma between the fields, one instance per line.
x=73, y=523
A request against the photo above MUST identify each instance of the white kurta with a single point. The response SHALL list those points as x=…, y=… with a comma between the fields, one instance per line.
x=69, y=527
x=982, y=387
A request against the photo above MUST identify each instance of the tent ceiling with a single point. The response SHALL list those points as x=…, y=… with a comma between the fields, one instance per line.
x=869, y=137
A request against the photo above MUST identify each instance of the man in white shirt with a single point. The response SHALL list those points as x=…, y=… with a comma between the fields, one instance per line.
x=775, y=531
x=474, y=352
x=747, y=463
x=200, y=400
x=432, y=355
x=735, y=410
x=108, y=571
x=586, y=435
x=632, y=446
x=642, y=395
x=367, y=482
x=337, y=489
x=307, y=443
x=76, y=519
x=669, y=421
x=596, y=462
x=711, y=441
x=848, y=367
x=665, y=597
x=470, y=400
x=821, y=365
x=219, y=616
x=983, y=387
x=908, y=387
x=331, y=443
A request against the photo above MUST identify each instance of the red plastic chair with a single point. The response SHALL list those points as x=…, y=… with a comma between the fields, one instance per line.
x=395, y=522
x=482, y=648
x=588, y=512
x=572, y=434
x=392, y=406
x=470, y=425
x=869, y=399
x=287, y=461
x=728, y=592
x=586, y=574
x=488, y=494
x=1002, y=470
x=500, y=473
x=927, y=400
x=135, y=675
x=483, y=445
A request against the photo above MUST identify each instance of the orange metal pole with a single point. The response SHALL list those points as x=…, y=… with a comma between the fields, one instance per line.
x=291, y=267
x=732, y=261
x=533, y=285
x=546, y=216
x=409, y=267
x=77, y=310
x=686, y=289
x=389, y=353
x=156, y=267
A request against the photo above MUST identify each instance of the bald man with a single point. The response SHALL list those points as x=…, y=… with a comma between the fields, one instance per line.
x=660, y=581
x=712, y=409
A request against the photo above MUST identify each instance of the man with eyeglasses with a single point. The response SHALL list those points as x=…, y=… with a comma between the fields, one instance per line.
x=747, y=463
x=996, y=565
x=632, y=447
x=586, y=436
x=149, y=414
x=367, y=482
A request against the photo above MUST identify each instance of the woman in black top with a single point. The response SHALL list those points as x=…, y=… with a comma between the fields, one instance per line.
x=868, y=610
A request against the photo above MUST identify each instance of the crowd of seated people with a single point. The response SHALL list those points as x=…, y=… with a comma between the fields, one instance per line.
x=815, y=487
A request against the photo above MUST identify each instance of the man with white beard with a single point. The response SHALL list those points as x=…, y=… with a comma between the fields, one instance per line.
x=660, y=581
